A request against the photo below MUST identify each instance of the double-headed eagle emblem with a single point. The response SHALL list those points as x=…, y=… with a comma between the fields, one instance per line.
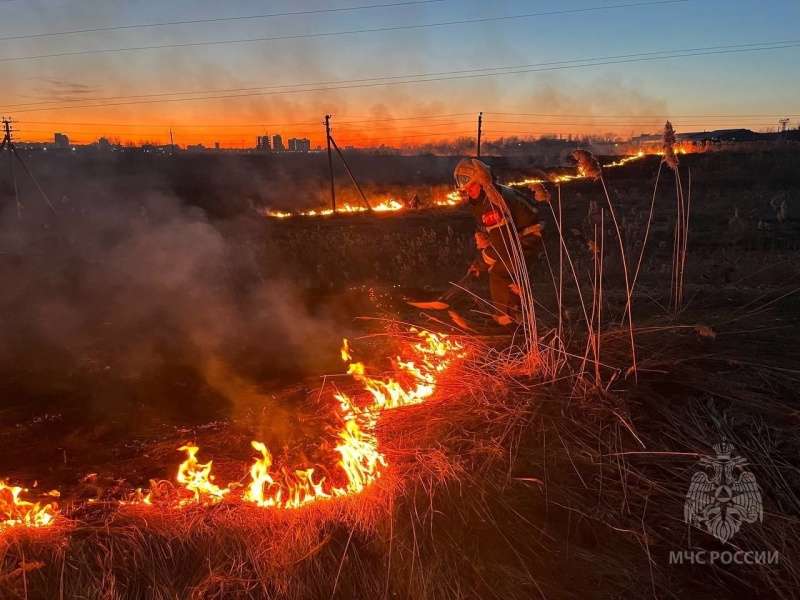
x=723, y=500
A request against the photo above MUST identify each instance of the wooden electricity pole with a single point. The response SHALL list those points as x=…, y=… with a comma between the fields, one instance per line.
x=784, y=123
x=8, y=144
x=330, y=160
x=480, y=122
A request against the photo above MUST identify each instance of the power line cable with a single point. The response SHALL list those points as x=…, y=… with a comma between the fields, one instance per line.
x=339, y=33
x=637, y=116
x=215, y=20
x=262, y=125
x=562, y=65
x=390, y=78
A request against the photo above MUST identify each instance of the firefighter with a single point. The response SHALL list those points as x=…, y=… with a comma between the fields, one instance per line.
x=492, y=204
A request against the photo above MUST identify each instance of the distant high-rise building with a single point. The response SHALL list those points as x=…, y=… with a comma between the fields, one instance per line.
x=216, y=145
x=61, y=140
x=299, y=145
x=263, y=143
x=277, y=143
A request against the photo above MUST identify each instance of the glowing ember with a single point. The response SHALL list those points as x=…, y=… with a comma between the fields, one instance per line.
x=197, y=478
x=17, y=512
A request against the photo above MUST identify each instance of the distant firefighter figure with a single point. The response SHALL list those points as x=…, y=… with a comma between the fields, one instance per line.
x=413, y=203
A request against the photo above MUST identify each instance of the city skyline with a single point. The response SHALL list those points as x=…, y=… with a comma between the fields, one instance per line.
x=400, y=73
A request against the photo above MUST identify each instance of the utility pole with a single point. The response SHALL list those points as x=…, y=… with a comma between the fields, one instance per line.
x=330, y=159
x=171, y=142
x=480, y=122
x=8, y=144
x=7, y=140
x=784, y=123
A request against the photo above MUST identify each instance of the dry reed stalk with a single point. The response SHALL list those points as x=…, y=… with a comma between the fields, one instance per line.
x=681, y=230
x=628, y=291
x=669, y=146
x=587, y=164
x=519, y=272
x=600, y=296
x=564, y=253
x=540, y=192
x=647, y=229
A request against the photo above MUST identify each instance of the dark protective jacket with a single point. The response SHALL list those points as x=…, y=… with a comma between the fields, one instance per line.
x=525, y=224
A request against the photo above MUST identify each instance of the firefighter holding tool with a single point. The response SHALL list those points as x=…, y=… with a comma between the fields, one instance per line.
x=502, y=214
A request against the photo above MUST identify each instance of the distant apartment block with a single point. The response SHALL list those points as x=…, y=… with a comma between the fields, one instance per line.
x=299, y=145
x=263, y=143
x=61, y=140
x=277, y=143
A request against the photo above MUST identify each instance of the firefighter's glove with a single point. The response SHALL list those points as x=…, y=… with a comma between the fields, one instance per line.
x=482, y=240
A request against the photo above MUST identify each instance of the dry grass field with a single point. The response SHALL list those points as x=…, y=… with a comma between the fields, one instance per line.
x=162, y=307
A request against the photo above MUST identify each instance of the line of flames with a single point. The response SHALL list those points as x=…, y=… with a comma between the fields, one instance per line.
x=360, y=459
x=454, y=198
x=390, y=205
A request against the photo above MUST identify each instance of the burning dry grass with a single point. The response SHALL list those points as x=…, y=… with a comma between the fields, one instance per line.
x=498, y=487
x=502, y=484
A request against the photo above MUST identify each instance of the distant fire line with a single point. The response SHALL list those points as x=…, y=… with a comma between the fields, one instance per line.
x=452, y=199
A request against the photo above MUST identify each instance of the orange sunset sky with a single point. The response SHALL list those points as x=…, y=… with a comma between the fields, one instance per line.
x=393, y=73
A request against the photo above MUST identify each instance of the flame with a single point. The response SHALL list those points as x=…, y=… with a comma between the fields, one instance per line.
x=197, y=478
x=626, y=160
x=452, y=199
x=361, y=461
x=14, y=511
x=387, y=205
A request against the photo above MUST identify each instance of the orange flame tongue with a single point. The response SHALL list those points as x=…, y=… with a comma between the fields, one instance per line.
x=14, y=511
x=295, y=490
x=197, y=478
x=262, y=490
x=361, y=461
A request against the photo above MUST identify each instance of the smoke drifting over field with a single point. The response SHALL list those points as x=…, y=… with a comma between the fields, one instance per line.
x=140, y=288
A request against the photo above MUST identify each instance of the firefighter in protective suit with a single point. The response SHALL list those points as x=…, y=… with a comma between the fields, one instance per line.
x=501, y=212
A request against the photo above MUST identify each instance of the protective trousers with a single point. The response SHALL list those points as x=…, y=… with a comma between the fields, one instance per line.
x=500, y=279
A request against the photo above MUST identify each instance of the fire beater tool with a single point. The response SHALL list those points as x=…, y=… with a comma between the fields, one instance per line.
x=443, y=301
